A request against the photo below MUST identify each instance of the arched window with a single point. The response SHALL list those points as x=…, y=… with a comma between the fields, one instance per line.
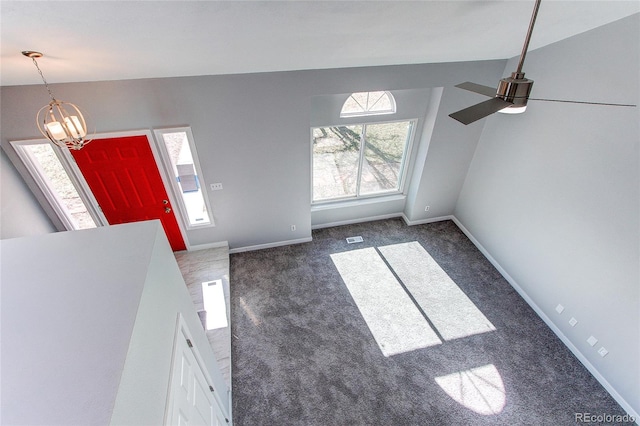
x=368, y=103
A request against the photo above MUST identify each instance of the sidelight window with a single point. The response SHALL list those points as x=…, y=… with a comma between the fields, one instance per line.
x=181, y=161
x=62, y=194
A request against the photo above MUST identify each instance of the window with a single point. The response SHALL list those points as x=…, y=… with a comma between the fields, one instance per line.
x=368, y=103
x=180, y=158
x=360, y=160
x=52, y=178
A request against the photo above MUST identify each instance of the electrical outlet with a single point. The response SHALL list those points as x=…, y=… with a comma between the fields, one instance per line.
x=573, y=322
x=602, y=351
x=559, y=308
x=293, y=227
x=216, y=186
x=592, y=341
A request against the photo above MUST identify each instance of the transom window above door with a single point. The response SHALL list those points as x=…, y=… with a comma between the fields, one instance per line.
x=361, y=160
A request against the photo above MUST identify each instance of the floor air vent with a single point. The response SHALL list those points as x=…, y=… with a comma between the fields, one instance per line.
x=352, y=240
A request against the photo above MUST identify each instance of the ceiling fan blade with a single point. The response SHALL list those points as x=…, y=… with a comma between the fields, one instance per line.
x=478, y=111
x=583, y=102
x=477, y=88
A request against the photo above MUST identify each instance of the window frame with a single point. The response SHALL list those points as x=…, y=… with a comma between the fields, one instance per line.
x=358, y=198
x=368, y=112
x=38, y=186
x=174, y=185
x=46, y=188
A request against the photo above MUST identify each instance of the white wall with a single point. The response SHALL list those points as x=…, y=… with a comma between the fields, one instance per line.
x=88, y=325
x=69, y=302
x=553, y=196
x=252, y=134
x=143, y=389
x=20, y=213
x=449, y=150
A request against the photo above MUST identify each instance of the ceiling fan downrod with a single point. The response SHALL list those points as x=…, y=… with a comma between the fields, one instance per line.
x=525, y=47
x=516, y=89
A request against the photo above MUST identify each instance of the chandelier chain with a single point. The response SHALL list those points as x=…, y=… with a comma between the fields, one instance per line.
x=43, y=79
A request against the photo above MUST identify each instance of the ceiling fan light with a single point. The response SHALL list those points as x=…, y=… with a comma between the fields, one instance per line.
x=514, y=109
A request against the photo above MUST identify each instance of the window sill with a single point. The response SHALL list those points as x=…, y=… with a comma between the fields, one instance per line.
x=200, y=226
x=329, y=205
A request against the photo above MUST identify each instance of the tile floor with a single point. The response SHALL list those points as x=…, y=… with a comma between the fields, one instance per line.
x=208, y=265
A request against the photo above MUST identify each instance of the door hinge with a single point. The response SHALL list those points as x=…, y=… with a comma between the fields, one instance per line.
x=189, y=343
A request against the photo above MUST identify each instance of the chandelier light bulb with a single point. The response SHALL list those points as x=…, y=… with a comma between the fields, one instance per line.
x=63, y=128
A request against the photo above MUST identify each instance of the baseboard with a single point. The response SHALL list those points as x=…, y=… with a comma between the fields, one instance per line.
x=269, y=245
x=423, y=221
x=219, y=244
x=359, y=220
x=592, y=369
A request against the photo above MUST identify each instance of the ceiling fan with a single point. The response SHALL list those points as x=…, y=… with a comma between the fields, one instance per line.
x=512, y=93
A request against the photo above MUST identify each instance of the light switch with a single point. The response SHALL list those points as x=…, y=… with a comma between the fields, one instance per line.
x=592, y=341
x=559, y=308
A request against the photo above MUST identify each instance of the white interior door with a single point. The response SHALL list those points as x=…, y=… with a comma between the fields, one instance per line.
x=191, y=400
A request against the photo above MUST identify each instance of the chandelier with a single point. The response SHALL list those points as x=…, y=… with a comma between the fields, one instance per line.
x=60, y=122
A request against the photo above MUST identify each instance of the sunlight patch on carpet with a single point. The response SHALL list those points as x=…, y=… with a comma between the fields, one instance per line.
x=395, y=322
x=247, y=309
x=479, y=389
x=448, y=308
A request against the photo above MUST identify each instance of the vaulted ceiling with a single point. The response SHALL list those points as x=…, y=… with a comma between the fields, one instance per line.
x=113, y=40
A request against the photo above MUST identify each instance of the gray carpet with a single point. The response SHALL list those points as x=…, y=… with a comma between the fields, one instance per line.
x=303, y=353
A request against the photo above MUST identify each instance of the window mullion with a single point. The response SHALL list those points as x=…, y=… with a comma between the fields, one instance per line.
x=361, y=158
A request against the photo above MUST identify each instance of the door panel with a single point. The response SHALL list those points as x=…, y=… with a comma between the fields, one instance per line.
x=191, y=402
x=123, y=176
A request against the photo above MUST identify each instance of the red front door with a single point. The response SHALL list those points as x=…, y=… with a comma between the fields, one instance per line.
x=124, y=178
